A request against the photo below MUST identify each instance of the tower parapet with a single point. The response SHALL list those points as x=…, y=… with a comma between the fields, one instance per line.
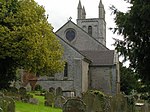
x=79, y=10
x=83, y=13
x=101, y=10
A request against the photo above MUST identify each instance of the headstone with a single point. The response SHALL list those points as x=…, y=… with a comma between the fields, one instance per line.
x=28, y=87
x=23, y=94
x=96, y=101
x=22, y=91
x=52, y=90
x=59, y=91
x=34, y=101
x=88, y=98
x=11, y=105
x=49, y=99
x=59, y=101
x=7, y=104
x=98, y=104
x=14, y=90
x=74, y=105
x=119, y=103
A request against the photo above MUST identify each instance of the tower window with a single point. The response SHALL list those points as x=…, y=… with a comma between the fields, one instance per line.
x=90, y=30
x=66, y=70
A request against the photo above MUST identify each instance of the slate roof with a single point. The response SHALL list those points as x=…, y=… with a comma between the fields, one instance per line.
x=100, y=58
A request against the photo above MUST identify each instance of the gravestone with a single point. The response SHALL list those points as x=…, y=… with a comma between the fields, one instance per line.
x=74, y=105
x=88, y=98
x=52, y=90
x=28, y=87
x=96, y=101
x=7, y=104
x=23, y=95
x=59, y=101
x=59, y=91
x=22, y=91
x=49, y=99
x=11, y=105
x=119, y=103
x=14, y=90
x=34, y=101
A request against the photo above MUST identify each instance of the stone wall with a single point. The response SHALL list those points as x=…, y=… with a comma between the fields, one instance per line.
x=77, y=70
x=104, y=79
x=98, y=28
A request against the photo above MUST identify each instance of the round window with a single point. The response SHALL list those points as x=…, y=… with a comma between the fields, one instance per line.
x=70, y=35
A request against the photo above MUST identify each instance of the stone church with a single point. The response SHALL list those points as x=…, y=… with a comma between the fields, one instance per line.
x=89, y=63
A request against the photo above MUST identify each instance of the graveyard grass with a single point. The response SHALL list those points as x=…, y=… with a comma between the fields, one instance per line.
x=26, y=107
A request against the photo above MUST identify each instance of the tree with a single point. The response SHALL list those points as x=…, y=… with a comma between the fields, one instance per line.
x=26, y=41
x=128, y=80
x=134, y=26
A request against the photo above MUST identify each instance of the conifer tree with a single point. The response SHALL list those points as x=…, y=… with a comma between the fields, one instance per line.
x=134, y=26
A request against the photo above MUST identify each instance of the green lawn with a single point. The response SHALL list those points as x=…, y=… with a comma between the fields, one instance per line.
x=25, y=107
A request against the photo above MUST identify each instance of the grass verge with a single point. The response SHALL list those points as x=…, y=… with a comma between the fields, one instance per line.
x=25, y=107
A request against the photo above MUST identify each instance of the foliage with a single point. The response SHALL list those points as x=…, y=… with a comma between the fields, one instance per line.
x=134, y=26
x=26, y=41
x=96, y=92
x=128, y=80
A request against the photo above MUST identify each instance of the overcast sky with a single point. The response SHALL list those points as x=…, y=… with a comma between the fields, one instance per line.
x=60, y=11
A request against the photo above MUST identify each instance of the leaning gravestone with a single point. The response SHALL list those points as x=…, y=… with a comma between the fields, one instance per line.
x=59, y=101
x=59, y=91
x=49, y=99
x=74, y=105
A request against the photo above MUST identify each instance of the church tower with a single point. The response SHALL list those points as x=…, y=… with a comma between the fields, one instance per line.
x=95, y=27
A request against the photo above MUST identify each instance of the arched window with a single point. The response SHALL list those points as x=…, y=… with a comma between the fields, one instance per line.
x=66, y=70
x=90, y=30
